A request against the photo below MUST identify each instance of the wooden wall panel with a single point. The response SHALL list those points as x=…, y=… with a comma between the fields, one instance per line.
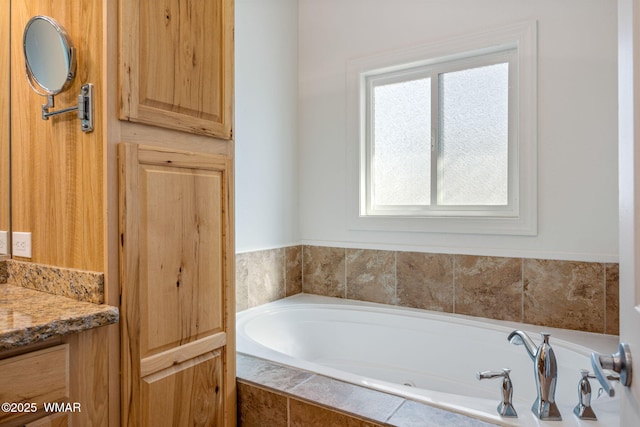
x=89, y=383
x=57, y=170
x=4, y=115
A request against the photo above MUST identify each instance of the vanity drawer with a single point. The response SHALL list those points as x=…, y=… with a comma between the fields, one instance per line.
x=34, y=378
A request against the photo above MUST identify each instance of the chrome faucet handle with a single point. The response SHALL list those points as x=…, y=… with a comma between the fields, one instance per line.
x=619, y=362
x=505, y=408
x=583, y=408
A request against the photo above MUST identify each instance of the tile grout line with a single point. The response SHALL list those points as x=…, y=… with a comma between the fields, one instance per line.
x=284, y=273
x=522, y=290
x=395, y=278
x=604, y=298
x=345, y=274
x=302, y=268
x=453, y=268
x=395, y=411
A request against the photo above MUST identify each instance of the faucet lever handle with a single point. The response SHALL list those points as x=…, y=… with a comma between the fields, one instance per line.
x=619, y=362
x=505, y=408
x=583, y=409
x=489, y=375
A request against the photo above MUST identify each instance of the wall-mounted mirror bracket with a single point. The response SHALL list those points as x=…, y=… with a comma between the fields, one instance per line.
x=84, y=108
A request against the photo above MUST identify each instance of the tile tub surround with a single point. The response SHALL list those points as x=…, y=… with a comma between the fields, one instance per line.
x=564, y=294
x=87, y=286
x=28, y=316
x=268, y=275
x=276, y=395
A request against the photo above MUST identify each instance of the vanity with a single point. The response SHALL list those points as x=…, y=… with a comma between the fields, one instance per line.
x=52, y=355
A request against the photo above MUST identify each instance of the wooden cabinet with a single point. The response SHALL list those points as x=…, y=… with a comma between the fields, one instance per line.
x=68, y=374
x=36, y=378
x=176, y=64
x=178, y=310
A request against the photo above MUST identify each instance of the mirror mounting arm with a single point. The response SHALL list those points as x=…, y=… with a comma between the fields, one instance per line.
x=84, y=108
x=50, y=104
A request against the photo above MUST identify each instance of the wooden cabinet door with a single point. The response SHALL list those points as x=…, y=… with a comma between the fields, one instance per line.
x=177, y=290
x=34, y=378
x=186, y=394
x=176, y=64
x=55, y=420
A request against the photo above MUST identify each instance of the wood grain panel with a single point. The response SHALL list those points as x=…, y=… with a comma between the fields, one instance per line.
x=182, y=353
x=180, y=256
x=185, y=394
x=36, y=377
x=177, y=293
x=58, y=170
x=89, y=373
x=4, y=115
x=176, y=64
x=56, y=420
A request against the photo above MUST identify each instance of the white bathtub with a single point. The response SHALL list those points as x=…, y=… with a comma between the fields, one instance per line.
x=384, y=347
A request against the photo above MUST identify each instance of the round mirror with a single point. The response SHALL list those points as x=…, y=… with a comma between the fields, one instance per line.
x=49, y=56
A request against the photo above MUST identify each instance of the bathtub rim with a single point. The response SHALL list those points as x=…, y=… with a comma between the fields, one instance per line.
x=581, y=340
x=578, y=341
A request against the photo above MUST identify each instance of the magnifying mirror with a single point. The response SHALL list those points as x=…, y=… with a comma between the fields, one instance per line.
x=50, y=64
x=49, y=55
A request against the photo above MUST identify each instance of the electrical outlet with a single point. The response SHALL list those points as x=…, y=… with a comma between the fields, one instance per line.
x=4, y=243
x=21, y=244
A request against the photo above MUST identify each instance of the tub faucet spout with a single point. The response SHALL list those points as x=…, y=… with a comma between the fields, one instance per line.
x=545, y=370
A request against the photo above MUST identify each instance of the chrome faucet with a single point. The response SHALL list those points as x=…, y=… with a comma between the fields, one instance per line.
x=583, y=409
x=545, y=370
x=505, y=408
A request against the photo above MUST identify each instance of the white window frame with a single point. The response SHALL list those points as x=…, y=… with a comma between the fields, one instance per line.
x=516, y=44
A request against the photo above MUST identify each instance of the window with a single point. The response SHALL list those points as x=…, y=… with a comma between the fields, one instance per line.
x=438, y=139
x=447, y=142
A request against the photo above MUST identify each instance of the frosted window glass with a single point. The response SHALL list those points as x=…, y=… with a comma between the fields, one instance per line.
x=402, y=143
x=474, y=107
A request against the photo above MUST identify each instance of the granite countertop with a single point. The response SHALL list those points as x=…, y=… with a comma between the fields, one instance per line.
x=28, y=316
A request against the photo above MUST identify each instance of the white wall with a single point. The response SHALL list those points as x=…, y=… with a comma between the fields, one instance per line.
x=577, y=116
x=266, y=43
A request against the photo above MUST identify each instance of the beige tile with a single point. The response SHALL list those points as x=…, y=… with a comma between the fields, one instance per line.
x=324, y=271
x=258, y=407
x=564, y=294
x=612, y=293
x=425, y=281
x=267, y=374
x=293, y=257
x=371, y=275
x=360, y=401
x=303, y=414
x=488, y=287
x=414, y=414
x=266, y=276
x=242, y=281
